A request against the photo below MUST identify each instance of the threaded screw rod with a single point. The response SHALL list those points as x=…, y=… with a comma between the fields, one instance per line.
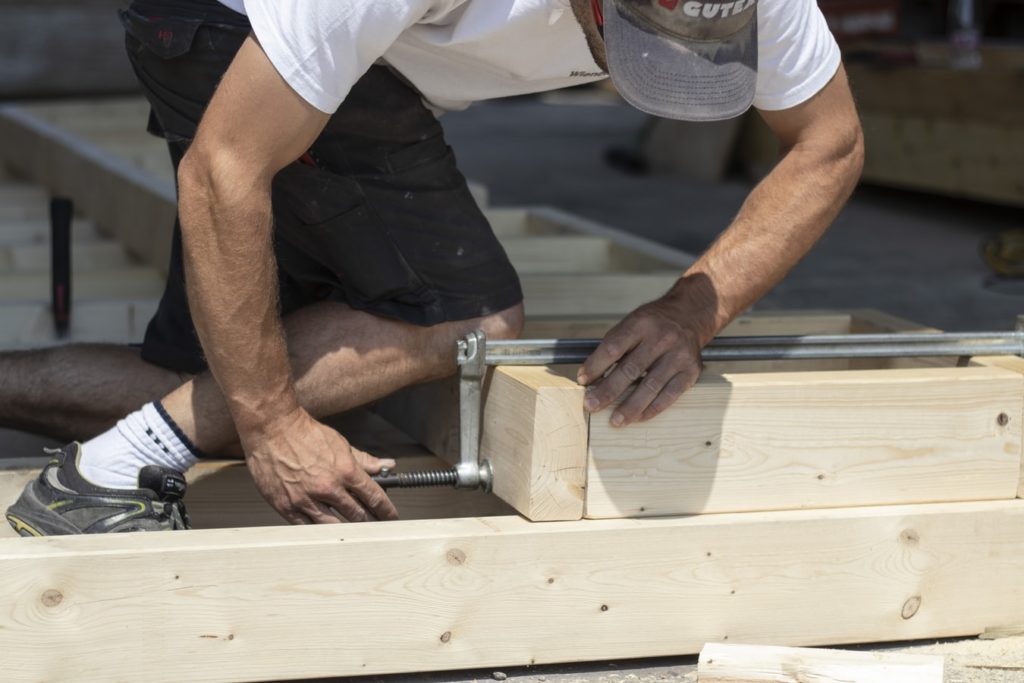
x=416, y=480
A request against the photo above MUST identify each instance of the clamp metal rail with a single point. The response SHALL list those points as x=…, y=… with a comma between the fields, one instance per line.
x=475, y=353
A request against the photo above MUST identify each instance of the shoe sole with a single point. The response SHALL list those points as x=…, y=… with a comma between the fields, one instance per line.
x=22, y=527
x=30, y=517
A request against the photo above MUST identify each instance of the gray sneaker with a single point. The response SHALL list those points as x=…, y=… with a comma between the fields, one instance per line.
x=62, y=501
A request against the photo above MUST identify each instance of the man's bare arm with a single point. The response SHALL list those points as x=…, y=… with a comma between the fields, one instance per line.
x=778, y=224
x=255, y=125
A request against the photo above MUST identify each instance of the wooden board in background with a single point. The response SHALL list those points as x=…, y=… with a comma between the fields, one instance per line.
x=731, y=663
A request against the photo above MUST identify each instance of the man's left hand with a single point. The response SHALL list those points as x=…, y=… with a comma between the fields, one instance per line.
x=654, y=347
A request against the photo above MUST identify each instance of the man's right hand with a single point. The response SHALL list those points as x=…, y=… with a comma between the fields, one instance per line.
x=310, y=474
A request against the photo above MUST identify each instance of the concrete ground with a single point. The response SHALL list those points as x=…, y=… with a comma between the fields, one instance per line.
x=909, y=254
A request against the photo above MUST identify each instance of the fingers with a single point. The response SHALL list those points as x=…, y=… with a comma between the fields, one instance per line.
x=648, y=351
x=630, y=368
x=371, y=464
x=666, y=381
x=619, y=341
x=375, y=500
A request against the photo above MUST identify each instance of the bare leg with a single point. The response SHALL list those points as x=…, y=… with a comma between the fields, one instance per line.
x=341, y=358
x=77, y=391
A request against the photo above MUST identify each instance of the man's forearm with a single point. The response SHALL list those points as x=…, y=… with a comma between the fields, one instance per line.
x=231, y=278
x=778, y=224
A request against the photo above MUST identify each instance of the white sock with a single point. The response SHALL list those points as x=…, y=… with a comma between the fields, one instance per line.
x=146, y=437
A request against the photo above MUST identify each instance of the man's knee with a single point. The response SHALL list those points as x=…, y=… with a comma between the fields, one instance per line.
x=507, y=324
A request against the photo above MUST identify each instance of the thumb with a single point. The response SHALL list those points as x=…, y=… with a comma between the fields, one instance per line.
x=369, y=463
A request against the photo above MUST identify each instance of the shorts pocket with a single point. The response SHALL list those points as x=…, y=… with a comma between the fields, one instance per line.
x=326, y=217
x=166, y=37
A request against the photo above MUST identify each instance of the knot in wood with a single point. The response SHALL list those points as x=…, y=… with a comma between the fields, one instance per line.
x=1003, y=419
x=52, y=598
x=456, y=557
x=446, y=636
x=910, y=537
x=911, y=606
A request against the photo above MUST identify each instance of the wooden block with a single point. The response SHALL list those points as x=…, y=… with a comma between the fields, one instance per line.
x=745, y=442
x=131, y=282
x=238, y=604
x=1012, y=364
x=557, y=254
x=535, y=437
x=722, y=663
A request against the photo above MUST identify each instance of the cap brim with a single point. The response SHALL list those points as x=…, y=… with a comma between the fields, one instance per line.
x=676, y=79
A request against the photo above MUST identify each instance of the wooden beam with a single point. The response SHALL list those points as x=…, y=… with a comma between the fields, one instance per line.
x=429, y=412
x=134, y=282
x=953, y=157
x=744, y=442
x=535, y=437
x=30, y=325
x=1012, y=364
x=557, y=254
x=731, y=663
x=602, y=294
x=84, y=257
x=237, y=604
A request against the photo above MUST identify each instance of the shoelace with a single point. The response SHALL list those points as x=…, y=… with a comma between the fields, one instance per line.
x=177, y=515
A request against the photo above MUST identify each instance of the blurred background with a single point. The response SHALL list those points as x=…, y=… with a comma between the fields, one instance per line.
x=935, y=232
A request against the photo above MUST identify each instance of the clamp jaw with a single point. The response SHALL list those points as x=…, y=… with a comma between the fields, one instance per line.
x=471, y=472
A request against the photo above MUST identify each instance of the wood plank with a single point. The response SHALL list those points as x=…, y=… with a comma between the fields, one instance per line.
x=130, y=282
x=1012, y=364
x=744, y=442
x=33, y=231
x=731, y=663
x=535, y=436
x=136, y=208
x=84, y=257
x=237, y=604
x=605, y=294
x=558, y=254
x=30, y=325
x=957, y=158
x=630, y=252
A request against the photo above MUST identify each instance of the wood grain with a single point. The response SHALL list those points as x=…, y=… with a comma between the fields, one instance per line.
x=1013, y=364
x=731, y=663
x=744, y=442
x=289, y=603
x=535, y=437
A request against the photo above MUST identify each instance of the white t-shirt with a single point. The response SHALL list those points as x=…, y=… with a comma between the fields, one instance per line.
x=456, y=52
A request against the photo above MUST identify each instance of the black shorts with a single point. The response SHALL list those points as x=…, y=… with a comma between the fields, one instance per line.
x=377, y=215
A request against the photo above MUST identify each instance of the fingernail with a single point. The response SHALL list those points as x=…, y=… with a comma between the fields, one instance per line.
x=581, y=378
x=618, y=419
x=592, y=403
x=388, y=463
